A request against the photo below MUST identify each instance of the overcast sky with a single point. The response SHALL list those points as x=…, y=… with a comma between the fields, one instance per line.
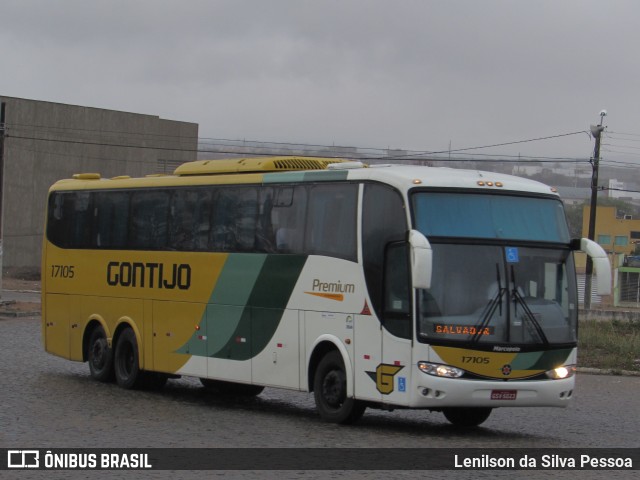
x=414, y=74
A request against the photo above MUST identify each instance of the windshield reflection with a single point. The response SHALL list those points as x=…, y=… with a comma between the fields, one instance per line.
x=497, y=295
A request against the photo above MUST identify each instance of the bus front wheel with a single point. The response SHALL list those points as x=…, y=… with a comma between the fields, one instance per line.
x=467, y=417
x=330, y=392
x=100, y=356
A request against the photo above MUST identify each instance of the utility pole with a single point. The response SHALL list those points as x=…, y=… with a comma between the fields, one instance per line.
x=596, y=131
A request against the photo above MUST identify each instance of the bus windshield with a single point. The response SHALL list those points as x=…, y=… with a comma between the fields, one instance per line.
x=490, y=291
x=470, y=215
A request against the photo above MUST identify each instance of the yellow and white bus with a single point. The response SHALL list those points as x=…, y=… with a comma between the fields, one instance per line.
x=382, y=286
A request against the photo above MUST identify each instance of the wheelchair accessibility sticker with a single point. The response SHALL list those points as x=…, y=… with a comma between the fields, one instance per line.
x=402, y=384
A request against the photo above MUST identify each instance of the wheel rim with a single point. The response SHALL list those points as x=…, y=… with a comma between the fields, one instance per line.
x=333, y=389
x=99, y=353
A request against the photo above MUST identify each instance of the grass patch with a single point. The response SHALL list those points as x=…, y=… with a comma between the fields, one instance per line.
x=609, y=345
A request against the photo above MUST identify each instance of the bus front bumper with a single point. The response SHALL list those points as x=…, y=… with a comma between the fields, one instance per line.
x=434, y=392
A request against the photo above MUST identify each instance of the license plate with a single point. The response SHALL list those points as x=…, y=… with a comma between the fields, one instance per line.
x=504, y=394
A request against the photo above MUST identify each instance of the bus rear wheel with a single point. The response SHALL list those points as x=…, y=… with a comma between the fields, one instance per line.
x=330, y=392
x=126, y=361
x=100, y=356
x=467, y=417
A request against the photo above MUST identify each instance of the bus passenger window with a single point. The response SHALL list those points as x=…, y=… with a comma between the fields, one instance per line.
x=149, y=220
x=112, y=217
x=189, y=217
x=331, y=221
x=265, y=239
x=70, y=219
x=234, y=220
x=287, y=219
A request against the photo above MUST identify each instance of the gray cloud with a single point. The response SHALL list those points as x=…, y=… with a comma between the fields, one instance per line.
x=412, y=74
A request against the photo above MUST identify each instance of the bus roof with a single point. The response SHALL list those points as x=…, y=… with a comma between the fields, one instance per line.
x=271, y=170
x=404, y=177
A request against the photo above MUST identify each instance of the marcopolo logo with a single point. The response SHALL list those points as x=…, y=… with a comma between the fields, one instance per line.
x=23, y=459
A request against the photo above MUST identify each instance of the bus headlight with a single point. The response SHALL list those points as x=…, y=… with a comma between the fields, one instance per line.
x=559, y=373
x=439, y=370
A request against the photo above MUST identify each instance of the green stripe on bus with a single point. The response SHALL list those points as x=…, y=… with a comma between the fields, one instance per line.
x=540, y=360
x=237, y=279
x=276, y=281
x=552, y=359
x=265, y=307
x=246, y=306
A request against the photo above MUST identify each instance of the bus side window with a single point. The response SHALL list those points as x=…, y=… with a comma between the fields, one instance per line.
x=59, y=219
x=149, y=215
x=331, y=220
x=70, y=219
x=234, y=220
x=189, y=216
x=265, y=238
x=246, y=221
x=112, y=219
x=287, y=218
x=397, y=291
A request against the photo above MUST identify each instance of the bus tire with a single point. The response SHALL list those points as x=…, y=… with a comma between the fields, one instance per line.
x=231, y=388
x=100, y=356
x=467, y=417
x=330, y=392
x=126, y=361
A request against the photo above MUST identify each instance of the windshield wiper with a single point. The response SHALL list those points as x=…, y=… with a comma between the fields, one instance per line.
x=490, y=308
x=528, y=314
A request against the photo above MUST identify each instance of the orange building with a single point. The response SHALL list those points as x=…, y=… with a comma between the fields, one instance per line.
x=619, y=236
x=614, y=234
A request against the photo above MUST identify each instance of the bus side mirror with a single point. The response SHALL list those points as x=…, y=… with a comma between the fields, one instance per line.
x=600, y=263
x=421, y=260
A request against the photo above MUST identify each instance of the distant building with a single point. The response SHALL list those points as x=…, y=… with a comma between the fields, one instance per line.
x=614, y=233
x=576, y=172
x=623, y=190
x=47, y=141
x=574, y=195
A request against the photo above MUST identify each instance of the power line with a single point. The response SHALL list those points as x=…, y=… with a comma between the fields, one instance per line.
x=257, y=144
x=509, y=143
x=614, y=150
x=620, y=189
x=624, y=139
x=253, y=151
x=622, y=133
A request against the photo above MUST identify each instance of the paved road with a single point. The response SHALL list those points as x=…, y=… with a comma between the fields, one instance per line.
x=51, y=402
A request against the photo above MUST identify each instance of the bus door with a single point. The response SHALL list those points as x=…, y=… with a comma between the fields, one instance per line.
x=385, y=259
x=394, y=371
